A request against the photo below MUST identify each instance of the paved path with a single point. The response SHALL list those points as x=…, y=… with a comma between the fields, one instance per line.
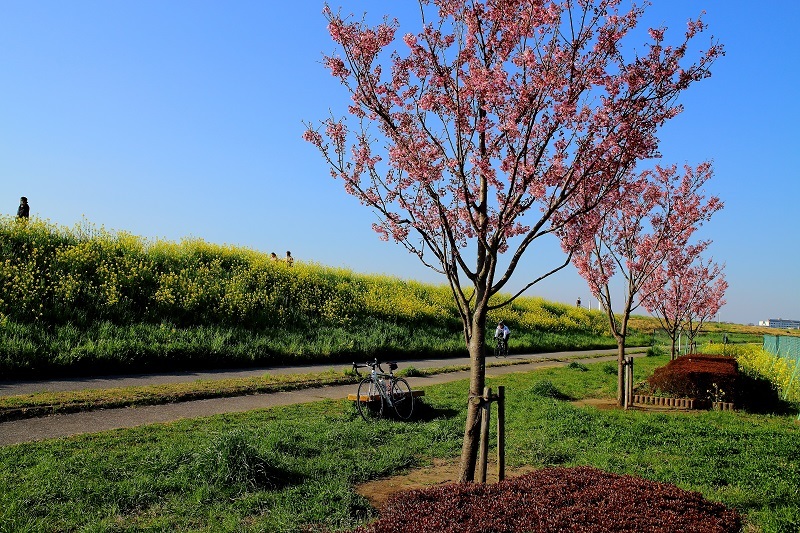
x=62, y=425
x=11, y=388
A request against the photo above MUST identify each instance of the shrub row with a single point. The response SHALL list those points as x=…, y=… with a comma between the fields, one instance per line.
x=703, y=377
x=581, y=499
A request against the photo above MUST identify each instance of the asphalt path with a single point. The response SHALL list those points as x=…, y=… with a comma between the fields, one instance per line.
x=65, y=425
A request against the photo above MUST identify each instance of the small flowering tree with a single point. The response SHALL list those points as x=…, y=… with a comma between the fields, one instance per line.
x=652, y=221
x=666, y=294
x=687, y=292
x=706, y=290
x=500, y=123
x=709, y=286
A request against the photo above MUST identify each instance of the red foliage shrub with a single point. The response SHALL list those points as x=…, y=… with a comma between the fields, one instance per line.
x=694, y=376
x=582, y=499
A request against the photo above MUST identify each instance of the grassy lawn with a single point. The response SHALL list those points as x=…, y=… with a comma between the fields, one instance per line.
x=291, y=468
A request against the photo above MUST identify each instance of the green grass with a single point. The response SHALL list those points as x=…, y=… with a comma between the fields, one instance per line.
x=30, y=350
x=288, y=468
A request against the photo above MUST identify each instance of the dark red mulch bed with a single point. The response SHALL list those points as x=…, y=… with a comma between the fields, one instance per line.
x=574, y=500
x=695, y=376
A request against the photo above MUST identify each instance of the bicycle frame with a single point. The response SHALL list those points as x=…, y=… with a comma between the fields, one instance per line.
x=379, y=377
x=502, y=347
x=381, y=388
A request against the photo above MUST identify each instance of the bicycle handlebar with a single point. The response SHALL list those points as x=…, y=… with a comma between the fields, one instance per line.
x=373, y=365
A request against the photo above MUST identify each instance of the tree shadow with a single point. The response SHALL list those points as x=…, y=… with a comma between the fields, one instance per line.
x=757, y=395
x=546, y=389
x=424, y=412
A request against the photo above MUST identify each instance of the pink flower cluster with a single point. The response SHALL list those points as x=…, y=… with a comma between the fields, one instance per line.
x=501, y=122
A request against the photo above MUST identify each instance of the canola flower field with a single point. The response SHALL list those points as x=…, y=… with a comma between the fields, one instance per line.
x=80, y=298
x=782, y=372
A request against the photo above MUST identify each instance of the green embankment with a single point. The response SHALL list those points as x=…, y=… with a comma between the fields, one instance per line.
x=86, y=299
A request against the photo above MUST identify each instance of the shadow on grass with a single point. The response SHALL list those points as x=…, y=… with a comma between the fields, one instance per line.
x=546, y=389
x=424, y=412
x=757, y=395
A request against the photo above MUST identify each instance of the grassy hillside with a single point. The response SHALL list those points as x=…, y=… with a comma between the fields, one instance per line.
x=84, y=299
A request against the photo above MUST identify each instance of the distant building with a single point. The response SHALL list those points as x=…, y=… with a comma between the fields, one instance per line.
x=780, y=323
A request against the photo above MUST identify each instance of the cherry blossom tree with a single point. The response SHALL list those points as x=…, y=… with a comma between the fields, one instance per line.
x=708, y=284
x=687, y=292
x=666, y=294
x=651, y=221
x=499, y=123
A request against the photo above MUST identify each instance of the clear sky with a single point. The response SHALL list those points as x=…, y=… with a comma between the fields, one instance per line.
x=183, y=118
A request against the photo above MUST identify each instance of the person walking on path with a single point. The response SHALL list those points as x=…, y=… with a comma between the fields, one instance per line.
x=24, y=210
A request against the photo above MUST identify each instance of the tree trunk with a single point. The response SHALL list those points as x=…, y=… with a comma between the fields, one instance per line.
x=477, y=354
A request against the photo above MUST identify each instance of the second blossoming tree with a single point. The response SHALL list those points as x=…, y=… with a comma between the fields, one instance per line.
x=650, y=222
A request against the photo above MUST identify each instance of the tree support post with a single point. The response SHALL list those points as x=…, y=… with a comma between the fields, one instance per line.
x=627, y=370
x=486, y=409
x=501, y=433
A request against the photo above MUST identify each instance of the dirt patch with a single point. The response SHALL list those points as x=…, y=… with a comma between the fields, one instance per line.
x=439, y=473
x=609, y=404
x=442, y=472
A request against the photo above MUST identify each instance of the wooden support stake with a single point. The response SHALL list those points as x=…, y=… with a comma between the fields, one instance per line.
x=484, y=443
x=627, y=372
x=501, y=433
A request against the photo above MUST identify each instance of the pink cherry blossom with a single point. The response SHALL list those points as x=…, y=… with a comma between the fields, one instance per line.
x=687, y=292
x=500, y=122
x=645, y=232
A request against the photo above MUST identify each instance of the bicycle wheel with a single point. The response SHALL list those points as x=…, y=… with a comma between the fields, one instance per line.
x=369, y=400
x=501, y=350
x=402, y=398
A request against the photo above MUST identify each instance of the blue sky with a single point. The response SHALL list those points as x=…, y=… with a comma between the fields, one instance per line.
x=179, y=118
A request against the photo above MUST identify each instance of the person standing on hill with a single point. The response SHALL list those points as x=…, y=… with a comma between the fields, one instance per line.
x=289, y=258
x=24, y=210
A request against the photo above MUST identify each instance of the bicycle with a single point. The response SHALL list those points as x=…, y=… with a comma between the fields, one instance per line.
x=379, y=390
x=501, y=349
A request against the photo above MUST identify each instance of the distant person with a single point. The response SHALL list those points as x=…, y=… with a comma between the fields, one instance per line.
x=273, y=256
x=578, y=303
x=289, y=258
x=24, y=210
x=502, y=331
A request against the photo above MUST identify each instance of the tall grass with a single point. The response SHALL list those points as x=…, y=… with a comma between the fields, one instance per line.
x=87, y=297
